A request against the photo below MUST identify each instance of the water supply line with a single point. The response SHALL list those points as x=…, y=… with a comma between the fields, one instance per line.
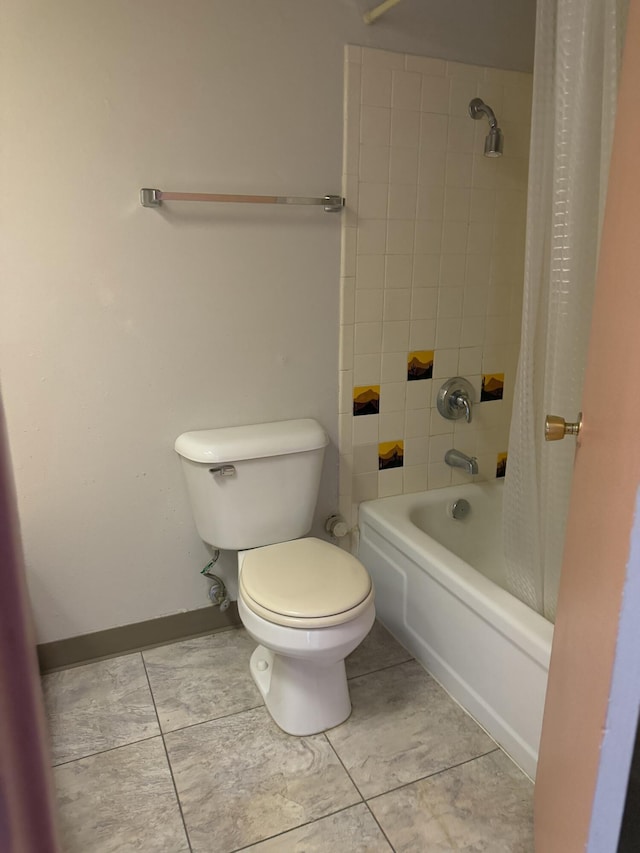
x=217, y=591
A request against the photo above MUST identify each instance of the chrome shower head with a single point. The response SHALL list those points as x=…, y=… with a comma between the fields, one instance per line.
x=494, y=141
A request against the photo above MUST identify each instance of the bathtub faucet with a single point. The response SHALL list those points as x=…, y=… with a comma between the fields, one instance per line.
x=457, y=459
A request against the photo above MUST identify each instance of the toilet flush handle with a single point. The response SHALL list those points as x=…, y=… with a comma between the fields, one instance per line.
x=224, y=470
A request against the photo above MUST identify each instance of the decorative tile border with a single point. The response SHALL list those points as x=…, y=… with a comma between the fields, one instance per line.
x=501, y=466
x=366, y=400
x=420, y=365
x=390, y=455
x=492, y=387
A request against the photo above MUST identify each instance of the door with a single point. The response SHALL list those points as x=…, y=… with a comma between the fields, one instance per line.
x=594, y=681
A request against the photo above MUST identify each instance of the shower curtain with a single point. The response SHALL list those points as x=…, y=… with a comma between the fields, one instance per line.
x=577, y=62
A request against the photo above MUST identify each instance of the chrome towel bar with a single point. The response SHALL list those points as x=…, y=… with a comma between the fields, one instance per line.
x=154, y=198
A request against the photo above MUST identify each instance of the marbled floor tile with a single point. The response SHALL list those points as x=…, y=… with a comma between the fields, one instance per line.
x=241, y=779
x=485, y=806
x=202, y=678
x=120, y=801
x=352, y=830
x=378, y=650
x=403, y=726
x=98, y=706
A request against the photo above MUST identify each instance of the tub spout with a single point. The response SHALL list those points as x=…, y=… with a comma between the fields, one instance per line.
x=457, y=459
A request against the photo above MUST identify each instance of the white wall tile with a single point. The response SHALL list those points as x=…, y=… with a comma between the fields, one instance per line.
x=422, y=336
x=458, y=170
x=452, y=270
x=478, y=270
x=438, y=475
x=369, y=305
x=365, y=429
x=430, y=203
x=345, y=437
x=367, y=338
x=392, y=398
x=370, y=271
x=375, y=126
x=345, y=392
x=472, y=334
x=428, y=240
x=352, y=53
x=416, y=420
x=415, y=479
x=400, y=236
x=454, y=237
x=405, y=128
x=457, y=201
x=424, y=303
x=461, y=92
x=395, y=336
x=483, y=205
x=398, y=271
x=372, y=201
x=394, y=367
x=348, y=252
x=462, y=69
x=433, y=132
x=372, y=237
x=416, y=450
x=347, y=301
x=345, y=478
x=469, y=361
x=438, y=446
x=376, y=86
x=435, y=95
x=431, y=168
x=365, y=458
x=419, y=395
x=461, y=134
x=346, y=347
x=391, y=426
x=390, y=482
x=439, y=425
x=402, y=201
x=366, y=369
x=374, y=163
x=397, y=304
x=445, y=363
x=365, y=487
x=484, y=171
x=405, y=90
x=480, y=237
x=448, y=333
x=403, y=166
x=426, y=268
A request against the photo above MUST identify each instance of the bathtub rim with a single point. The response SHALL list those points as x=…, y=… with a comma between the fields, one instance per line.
x=517, y=622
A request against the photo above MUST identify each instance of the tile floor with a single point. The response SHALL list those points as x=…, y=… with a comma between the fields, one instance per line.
x=171, y=750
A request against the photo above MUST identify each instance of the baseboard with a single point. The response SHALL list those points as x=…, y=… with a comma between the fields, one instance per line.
x=61, y=654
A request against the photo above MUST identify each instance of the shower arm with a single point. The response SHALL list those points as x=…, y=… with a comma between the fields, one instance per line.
x=477, y=107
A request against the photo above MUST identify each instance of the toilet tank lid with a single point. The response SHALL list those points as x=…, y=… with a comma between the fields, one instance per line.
x=253, y=441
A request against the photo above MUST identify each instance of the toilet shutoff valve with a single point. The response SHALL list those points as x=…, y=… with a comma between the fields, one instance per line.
x=336, y=526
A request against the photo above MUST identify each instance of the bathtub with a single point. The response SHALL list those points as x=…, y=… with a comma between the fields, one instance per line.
x=440, y=589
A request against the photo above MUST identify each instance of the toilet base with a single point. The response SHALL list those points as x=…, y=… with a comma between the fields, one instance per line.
x=304, y=698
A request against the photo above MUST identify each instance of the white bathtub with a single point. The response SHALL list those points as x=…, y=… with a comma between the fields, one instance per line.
x=440, y=590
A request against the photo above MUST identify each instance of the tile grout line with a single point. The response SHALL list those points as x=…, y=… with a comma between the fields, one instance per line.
x=435, y=773
x=104, y=751
x=166, y=752
x=335, y=751
x=380, y=669
x=294, y=828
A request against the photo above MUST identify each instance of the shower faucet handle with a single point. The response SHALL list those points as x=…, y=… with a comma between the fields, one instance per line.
x=455, y=399
x=556, y=427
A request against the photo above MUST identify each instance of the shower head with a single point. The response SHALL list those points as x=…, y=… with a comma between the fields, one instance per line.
x=494, y=141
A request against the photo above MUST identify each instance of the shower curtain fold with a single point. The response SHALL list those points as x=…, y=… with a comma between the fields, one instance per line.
x=577, y=61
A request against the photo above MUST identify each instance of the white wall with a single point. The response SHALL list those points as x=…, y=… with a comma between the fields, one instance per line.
x=121, y=327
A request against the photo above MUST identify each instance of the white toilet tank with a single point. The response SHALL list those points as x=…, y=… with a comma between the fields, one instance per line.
x=266, y=488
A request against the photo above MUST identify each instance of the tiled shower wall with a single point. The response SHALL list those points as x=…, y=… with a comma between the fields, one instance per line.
x=432, y=268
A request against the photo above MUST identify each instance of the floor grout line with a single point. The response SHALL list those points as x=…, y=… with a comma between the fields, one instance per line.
x=380, y=669
x=166, y=752
x=359, y=791
x=435, y=773
x=299, y=826
x=212, y=719
x=104, y=751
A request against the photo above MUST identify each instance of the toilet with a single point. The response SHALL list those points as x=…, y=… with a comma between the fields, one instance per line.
x=307, y=603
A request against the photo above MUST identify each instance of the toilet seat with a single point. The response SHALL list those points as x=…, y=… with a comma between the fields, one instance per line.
x=304, y=583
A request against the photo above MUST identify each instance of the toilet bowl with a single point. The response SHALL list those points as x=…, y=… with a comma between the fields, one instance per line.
x=308, y=605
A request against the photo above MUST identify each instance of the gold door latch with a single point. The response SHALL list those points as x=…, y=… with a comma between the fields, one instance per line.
x=556, y=428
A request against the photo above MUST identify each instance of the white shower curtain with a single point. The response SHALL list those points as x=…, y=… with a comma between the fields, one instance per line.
x=577, y=61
